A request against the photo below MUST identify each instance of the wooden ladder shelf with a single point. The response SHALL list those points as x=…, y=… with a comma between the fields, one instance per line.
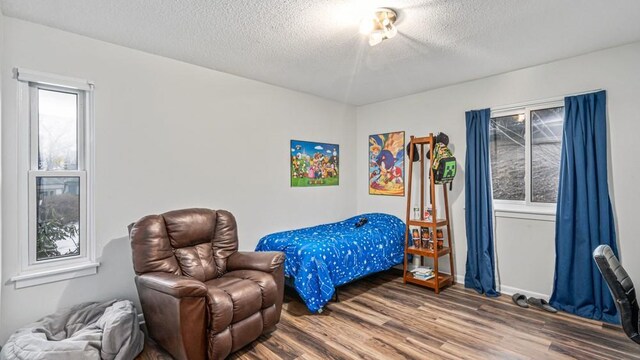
x=439, y=280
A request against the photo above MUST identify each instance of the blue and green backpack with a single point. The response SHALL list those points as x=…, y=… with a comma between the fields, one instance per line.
x=444, y=165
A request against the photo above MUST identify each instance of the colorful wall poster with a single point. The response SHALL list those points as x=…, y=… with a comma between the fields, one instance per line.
x=314, y=164
x=386, y=164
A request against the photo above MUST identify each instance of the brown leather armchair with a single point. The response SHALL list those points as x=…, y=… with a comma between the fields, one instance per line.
x=201, y=297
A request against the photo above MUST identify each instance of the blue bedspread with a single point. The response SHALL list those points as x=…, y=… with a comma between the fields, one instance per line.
x=322, y=257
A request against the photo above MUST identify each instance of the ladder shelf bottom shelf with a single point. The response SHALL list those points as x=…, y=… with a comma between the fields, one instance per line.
x=443, y=281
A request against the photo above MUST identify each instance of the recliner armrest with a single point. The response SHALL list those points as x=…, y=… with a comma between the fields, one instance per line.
x=173, y=285
x=267, y=261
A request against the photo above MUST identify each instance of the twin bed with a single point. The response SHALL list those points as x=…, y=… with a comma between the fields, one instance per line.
x=320, y=258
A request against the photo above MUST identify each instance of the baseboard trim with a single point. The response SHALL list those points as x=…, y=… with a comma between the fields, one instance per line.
x=510, y=290
x=504, y=289
x=460, y=279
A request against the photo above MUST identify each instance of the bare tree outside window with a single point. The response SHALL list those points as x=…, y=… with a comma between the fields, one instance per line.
x=57, y=130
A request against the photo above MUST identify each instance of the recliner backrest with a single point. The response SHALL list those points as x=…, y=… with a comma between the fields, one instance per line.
x=191, y=242
x=621, y=288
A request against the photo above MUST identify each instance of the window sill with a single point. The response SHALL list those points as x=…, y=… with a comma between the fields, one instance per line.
x=56, y=274
x=543, y=213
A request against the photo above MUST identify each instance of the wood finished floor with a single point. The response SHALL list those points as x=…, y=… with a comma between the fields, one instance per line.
x=380, y=318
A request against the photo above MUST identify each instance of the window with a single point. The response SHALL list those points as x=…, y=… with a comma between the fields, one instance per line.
x=507, y=152
x=56, y=177
x=55, y=128
x=524, y=146
x=546, y=145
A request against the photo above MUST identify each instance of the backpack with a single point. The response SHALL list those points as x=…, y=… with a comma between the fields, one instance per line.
x=444, y=165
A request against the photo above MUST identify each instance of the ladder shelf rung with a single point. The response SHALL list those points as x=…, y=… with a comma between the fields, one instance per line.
x=424, y=223
x=422, y=140
x=428, y=252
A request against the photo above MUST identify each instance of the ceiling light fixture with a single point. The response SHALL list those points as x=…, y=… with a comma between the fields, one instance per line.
x=379, y=26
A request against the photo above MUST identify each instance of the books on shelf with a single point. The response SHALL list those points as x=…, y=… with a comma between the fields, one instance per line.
x=423, y=273
x=422, y=270
x=424, y=277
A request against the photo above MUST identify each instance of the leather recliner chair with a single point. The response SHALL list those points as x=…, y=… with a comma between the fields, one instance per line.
x=201, y=297
x=621, y=288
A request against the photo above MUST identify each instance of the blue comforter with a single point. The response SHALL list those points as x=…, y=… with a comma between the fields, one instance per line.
x=322, y=257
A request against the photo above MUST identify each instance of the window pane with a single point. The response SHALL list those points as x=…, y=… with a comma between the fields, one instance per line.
x=506, y=148
x=546, y=145
x=57, y=130
x=58, y=217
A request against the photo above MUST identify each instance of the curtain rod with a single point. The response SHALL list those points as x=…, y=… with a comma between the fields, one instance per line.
x=540, y=101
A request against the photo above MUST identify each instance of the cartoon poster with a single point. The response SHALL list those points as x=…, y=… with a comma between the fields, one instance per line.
x=386, y=164
x=314, y=164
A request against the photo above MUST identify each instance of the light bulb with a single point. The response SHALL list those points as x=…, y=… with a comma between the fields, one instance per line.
x=390, y=31
x=375, y=38
x=366, y=26
x=379, y=26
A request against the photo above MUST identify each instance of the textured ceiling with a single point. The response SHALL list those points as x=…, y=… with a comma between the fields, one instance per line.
x=314, y=46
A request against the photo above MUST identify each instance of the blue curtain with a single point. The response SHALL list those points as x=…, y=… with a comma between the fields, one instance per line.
x=584, y=218
x=480, y=268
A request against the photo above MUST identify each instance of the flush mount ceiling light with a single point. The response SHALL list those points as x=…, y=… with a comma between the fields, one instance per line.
x=379, y=26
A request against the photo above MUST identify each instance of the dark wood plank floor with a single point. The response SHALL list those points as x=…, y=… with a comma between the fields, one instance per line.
x=380, y=318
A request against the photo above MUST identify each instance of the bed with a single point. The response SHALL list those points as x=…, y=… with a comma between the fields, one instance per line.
x=322, y=257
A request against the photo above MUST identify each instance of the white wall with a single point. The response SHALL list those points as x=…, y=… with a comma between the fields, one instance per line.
x=525, y=253
x=520, y=255
x=169, y=135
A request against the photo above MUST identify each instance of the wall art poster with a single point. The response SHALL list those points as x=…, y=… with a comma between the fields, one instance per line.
x=386, y=164
x=314, y=164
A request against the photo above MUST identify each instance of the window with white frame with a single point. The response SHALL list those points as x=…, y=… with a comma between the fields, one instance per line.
x=56, y=151
x=524, y=146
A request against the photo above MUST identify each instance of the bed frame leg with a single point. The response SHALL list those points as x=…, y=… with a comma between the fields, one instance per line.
x=335, y=296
